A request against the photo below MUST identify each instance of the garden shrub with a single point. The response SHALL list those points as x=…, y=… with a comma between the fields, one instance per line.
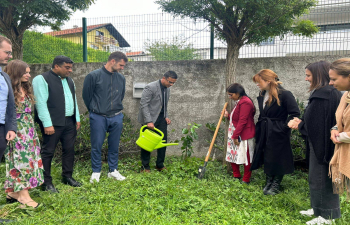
x=296, y=140
x=83, y=145
x=41, y=48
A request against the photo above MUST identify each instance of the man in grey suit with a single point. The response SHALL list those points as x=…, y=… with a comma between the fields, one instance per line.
x=153, y=112
x=8, y=122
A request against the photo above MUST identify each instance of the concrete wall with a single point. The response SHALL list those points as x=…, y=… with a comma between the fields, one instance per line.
x=199, y=93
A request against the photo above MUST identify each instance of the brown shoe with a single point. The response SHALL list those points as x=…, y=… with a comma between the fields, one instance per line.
x=145, y=171
x=161, y=169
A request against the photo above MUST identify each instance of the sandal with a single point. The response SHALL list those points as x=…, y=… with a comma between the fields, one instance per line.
x=26, y=204
x=10, y=199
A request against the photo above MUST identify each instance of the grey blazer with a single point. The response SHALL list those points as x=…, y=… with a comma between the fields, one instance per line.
x=10, y=117
x=151, y=103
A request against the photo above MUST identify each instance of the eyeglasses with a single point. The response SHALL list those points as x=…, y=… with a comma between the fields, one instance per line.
x=8, y=53
x=170, y=82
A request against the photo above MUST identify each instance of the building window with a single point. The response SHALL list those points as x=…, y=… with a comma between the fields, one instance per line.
x=94, y=46
x=269, y=41
x=331, y=27
x=99, y=33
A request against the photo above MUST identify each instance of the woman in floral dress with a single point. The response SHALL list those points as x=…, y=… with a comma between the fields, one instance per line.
x=24, y=169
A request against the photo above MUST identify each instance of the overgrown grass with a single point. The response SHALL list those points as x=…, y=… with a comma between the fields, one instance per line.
x=172, y=197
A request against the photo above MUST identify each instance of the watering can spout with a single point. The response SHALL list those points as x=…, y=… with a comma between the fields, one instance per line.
x=161, y=145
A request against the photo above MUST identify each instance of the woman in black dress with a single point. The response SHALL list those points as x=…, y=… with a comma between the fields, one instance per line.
x=277, y=107
x=315, y=126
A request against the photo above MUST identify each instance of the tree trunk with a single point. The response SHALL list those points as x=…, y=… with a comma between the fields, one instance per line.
x=231, y=61
x=17, y=47
x=230, y=66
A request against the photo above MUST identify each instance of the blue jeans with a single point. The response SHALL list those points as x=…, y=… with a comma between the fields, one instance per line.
x=99, y=125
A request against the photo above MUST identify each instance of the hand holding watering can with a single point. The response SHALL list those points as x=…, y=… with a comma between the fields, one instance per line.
x=151, y=139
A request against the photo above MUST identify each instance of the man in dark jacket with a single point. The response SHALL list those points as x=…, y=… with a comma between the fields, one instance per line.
x=56, y=111
x=8, y=122
x=103, y=93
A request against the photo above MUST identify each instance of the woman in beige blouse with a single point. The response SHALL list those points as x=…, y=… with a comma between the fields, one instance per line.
x=339, y=74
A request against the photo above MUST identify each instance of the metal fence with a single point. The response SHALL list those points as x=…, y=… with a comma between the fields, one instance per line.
x=164, y=37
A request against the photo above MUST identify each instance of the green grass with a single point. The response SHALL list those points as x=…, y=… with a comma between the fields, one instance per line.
x=172, y=197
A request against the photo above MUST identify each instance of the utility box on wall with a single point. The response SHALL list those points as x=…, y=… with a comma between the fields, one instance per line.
x=138, y=89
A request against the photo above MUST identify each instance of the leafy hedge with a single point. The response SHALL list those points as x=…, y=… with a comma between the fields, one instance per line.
x=41, y=48
x=83, y=145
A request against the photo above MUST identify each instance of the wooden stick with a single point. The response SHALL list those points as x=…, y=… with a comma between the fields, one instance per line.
x=216, y=133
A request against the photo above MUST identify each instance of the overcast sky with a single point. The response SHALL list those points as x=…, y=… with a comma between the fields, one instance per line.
x=107, y=8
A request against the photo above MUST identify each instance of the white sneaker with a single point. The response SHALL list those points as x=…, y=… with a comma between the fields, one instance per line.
x=319, y=221
x=309, y=212
x=116, y=175
x=95, y=177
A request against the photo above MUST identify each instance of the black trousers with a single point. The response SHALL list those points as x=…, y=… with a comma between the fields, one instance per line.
x=66, y=134
x=146, y=155
x=323, y=201
x=3, y=141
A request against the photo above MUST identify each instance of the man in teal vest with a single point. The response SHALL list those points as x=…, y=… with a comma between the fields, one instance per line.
x=58, y=116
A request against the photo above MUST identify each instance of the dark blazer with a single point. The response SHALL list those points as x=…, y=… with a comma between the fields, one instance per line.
x=318, y=119
x=151, y=103
x=10, y=117
x=243, y=119
x=273, y=135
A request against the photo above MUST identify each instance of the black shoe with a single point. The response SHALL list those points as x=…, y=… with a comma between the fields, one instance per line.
x=275, y=186
x=10, y=199
x=269, y=180
x=49, y=187
x=244, y=182
x=70, y=181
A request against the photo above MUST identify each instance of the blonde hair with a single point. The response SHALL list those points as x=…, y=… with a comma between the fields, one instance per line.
x=269, y=75
x=341, y=66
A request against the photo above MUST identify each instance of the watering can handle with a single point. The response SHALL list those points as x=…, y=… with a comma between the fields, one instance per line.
x=159, y=131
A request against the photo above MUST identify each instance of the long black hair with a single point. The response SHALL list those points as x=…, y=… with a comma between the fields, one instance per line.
x=236, y=88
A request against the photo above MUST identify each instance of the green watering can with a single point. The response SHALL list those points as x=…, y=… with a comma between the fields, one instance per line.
x=152, y=139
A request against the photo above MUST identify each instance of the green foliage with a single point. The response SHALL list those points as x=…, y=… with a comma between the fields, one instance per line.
x=219, y=143
x=190, y=134
x=18, y=16
x=245, y=22
x=40, y=12
x=83, y=144
x=296, y=140
x=172, y=197
x=305, y=28
x=41, y=48
x=175, y=49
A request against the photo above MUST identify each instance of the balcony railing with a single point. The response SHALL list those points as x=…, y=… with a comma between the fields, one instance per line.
x=105, y=40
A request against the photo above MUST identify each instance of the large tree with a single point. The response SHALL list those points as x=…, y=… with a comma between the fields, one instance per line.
x=16, y=16
x=244, y=22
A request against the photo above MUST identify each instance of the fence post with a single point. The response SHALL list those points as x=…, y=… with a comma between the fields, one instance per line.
x=211, y=42
x=85, y=58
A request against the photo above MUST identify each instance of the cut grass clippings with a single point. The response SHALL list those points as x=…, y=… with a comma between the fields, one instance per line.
x=175, y=196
